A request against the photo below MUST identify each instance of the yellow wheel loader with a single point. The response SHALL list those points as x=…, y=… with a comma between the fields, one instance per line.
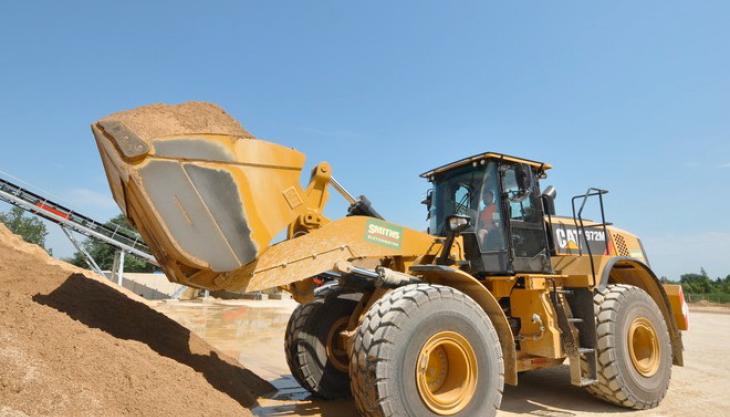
x=410, y=323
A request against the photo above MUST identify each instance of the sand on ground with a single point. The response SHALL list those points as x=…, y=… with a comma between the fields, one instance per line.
x=253, y=333
x=74, y=344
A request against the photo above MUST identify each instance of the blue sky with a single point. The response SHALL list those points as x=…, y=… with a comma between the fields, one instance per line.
x=629, y=96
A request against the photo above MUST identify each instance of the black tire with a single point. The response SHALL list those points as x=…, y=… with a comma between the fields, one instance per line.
x=298, y=318
x=619, y=381
x=306, y=343
x=393, y=332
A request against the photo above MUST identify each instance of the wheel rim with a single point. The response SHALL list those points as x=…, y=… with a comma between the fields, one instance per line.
x=446, y=373
x=644, y=347
x=336, y=350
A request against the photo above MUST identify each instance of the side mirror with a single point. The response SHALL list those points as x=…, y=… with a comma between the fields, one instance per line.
x=548, y=200
x=457, y=223
x=429, y=198
x=523, y=178
x=427, y=202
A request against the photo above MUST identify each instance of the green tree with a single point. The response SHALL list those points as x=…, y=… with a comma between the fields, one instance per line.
x=103, y=253
x=29, y=227
x=696, y=283
x=724, y=285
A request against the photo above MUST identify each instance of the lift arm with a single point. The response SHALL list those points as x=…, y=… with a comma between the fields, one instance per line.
x=209, y=199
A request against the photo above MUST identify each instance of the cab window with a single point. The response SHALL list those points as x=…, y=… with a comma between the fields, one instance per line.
x=458, y=192
x=520, y=201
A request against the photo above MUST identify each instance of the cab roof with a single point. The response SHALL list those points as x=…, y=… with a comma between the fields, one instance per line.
x=540, y=166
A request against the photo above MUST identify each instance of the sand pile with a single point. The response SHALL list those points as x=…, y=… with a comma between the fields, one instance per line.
x=157, y=120
x=72, y=344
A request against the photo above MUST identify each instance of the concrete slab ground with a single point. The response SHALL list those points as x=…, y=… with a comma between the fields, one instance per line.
x=253, y=332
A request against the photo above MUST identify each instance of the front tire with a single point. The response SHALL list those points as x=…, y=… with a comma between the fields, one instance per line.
x=634, y=349
x=314, y=350
x=424, y=351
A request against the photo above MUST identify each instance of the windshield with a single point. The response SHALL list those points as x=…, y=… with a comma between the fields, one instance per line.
x=467, y=191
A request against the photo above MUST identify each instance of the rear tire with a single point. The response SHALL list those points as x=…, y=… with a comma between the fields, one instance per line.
x=424, y=351
x=315, y=358
x=634, y=349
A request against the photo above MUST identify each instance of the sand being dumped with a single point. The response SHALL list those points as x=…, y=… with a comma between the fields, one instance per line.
x=158, y=120
x=72, y=344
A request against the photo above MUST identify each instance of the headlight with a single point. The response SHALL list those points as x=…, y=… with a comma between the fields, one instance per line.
x=458, y=223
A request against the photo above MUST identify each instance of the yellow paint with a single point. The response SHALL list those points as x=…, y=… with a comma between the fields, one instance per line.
x=500, y=287
x=644, y=349
x=447, y=373
x=525, y=303
x=678, y=305
x=487, y=155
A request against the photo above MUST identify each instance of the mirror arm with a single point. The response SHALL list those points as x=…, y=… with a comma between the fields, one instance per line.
x=443, y=258
x=446, y=250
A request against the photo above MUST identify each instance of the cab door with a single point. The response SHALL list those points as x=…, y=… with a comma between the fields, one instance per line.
x=522, y=208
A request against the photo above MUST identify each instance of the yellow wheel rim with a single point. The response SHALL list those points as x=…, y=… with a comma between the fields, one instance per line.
x=446, y=373
x=644, y=347
x=336, y=351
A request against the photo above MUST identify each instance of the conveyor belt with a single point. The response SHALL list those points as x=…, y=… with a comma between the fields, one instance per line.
x=69, y=220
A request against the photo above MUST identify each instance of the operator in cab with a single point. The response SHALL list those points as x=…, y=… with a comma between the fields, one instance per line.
x=487, y=224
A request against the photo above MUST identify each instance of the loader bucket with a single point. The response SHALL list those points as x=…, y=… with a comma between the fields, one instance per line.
x=206, y=196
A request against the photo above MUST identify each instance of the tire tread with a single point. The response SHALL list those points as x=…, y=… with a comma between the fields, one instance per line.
x=611, y=386
x=294, y=352
x=371, y=345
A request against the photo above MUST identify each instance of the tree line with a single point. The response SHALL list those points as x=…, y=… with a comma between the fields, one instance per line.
x=694, y=283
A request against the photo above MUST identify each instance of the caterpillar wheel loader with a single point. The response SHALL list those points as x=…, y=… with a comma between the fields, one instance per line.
x=411, y=323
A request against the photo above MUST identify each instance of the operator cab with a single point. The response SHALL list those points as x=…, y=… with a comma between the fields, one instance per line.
x=500, y=195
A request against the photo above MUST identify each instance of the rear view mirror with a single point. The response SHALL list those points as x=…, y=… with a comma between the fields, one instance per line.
x=427, y=202
x=429, y=198
x=523, y=183
x=548, y=200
